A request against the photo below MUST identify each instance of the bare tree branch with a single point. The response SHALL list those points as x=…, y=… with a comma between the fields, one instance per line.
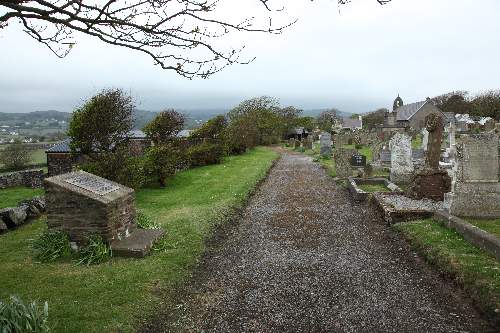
x=179, y=35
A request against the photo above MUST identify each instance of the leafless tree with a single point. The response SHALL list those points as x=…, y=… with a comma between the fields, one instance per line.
x=179, y=35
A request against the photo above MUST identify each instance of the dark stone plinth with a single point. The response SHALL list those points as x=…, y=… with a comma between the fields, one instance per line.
x=138, y=244
x=430, y=184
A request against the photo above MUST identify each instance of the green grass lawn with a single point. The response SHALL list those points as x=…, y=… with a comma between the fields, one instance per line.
x=9, y=197
x=366, y=151
x=417, y=142
x=112, y=297
x=491, y=226
x=37, y=157
x=477, y=271
x=370, y=188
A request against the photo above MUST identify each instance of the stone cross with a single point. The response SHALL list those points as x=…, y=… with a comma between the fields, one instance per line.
x=434, y=124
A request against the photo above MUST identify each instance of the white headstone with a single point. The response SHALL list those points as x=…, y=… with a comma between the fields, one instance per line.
x=425, y=138
x=401, y=158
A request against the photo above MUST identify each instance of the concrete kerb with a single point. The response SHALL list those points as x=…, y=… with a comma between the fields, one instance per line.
x=360, y=195
x=471, y=233
x=392, y=215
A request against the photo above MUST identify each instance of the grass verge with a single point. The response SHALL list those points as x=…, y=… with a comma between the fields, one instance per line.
x=10, y=197
x=114, y=296
x=491, y=226
x=477, y=272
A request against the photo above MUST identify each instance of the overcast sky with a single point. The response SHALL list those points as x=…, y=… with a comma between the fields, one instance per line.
x=357, y=60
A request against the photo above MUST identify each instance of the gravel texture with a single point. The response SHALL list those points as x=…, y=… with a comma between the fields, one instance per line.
x=400, y=202
x=303, y=257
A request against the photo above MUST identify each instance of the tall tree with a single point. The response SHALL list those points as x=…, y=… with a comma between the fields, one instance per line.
x=326, y=119
x=165, y=126
x=102, y=124
x=455, y=101
x=178, y=35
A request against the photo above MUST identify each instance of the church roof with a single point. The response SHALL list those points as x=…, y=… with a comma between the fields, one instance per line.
x=407, y=111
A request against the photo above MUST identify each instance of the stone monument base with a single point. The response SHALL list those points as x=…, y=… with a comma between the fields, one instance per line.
x=138, y=244
x=475, y=199
x=401, y=176
x=430, y=184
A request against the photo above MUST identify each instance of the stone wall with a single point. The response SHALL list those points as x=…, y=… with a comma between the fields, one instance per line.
x=28, y=178
x=59, y=163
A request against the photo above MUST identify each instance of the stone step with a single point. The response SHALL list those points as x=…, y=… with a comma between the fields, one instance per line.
x=138, y=244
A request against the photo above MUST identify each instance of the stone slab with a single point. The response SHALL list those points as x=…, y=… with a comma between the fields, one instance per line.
x=138, y=244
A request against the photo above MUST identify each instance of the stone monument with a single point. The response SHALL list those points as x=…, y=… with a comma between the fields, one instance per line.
x=325, y=144
x=308, y=143
x=431, y=181
x=82, y=204
x=401, y=161
x=476, y=189
x=342, y=163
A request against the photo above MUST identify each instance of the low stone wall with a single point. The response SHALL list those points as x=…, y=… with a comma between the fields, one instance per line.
x=360, y=195
x=471, y=233
x=29, y=178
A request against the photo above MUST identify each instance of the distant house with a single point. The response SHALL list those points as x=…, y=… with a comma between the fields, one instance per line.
x=60, y=159
x=352, y=124
x=298, y=133
x=403, y=117
x=466, y=123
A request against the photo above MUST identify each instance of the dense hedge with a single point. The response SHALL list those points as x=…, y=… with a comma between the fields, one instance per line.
x=205, y=154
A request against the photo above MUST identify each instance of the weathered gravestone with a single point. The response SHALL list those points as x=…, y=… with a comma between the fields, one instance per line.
x=82, y=204
x=297, y=144
x=385, y=156
x=401, y=162
x=358, y=160
x=342, y=162
x=476, y=190
x=425, y=139
x=325, y=144
x=308, y=143
x=431, y=182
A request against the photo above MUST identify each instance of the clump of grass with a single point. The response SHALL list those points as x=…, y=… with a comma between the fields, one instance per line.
x=51, y=246
x=144, y=221
x=95, y=252
x=15, y=316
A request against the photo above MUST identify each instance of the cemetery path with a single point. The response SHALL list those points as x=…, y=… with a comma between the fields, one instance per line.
x=304, y=258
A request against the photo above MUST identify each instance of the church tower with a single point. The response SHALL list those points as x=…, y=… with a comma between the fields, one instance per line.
x=398, y=102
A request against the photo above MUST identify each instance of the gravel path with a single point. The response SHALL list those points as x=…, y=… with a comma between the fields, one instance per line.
x=305, y=258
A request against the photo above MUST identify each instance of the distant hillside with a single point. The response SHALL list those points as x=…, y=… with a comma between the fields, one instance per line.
x=35, y=116
x=316, y=112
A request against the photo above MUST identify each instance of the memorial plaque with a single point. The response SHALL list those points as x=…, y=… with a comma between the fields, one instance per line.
x=358, y=160
x=92, y=184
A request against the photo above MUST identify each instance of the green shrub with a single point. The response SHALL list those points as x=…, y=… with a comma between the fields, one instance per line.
x=95, y=252
x=50, y=246
x=205, y=154
x=118, y=166
x=144, y=221
x=163, y=160
x=17, y=317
